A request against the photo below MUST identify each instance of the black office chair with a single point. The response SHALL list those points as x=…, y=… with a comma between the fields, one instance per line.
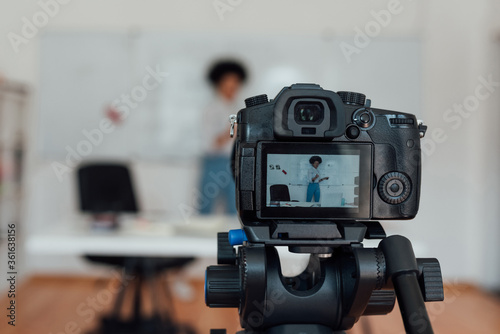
x=280, y=193
x=107, y=189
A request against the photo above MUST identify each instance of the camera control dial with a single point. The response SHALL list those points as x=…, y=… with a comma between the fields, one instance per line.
x=352, y=98
x=394, y=188
x=256, y=100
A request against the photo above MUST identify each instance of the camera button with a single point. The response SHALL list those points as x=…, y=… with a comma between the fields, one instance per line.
x=394, y=188
x=352, y=132
x=364, y=118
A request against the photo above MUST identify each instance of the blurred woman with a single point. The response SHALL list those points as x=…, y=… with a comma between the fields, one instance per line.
x=217, y=184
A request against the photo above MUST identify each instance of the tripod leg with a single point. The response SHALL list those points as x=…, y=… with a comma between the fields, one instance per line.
x=412, y=304
x=119, y=302
x=128, y=269
x=403, y=269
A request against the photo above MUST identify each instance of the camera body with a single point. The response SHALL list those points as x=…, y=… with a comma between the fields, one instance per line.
x=313, y=170
x=369, y=162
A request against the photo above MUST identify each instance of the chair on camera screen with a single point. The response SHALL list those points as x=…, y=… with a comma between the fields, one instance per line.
x=280, y=193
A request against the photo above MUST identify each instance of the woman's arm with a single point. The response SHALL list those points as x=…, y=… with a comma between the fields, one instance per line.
x=312, y=175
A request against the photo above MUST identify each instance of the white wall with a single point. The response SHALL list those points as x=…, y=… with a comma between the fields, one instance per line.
x=458, y=218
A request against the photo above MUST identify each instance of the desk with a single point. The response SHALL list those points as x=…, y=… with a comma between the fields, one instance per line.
x=197, y=239
x=133, y=238
x=92, y=244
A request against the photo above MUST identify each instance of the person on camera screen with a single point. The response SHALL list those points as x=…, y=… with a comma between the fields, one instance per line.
x=314, y=178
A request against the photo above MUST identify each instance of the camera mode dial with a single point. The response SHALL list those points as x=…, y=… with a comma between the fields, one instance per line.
x=394, y=188
x=352, y=98
x=256, y=100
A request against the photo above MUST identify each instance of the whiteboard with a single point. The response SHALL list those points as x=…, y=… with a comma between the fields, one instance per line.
x=83, y=72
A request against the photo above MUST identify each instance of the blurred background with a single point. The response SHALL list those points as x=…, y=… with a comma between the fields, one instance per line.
x=126, y=83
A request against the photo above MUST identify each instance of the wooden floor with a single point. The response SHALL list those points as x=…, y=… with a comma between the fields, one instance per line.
x=62, y=305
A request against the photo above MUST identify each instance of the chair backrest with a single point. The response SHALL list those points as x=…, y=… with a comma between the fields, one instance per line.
x=106, y=187
x=279, y=192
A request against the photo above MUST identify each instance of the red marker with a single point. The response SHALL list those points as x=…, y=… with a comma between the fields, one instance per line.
x=113, y=114
x=284, y=171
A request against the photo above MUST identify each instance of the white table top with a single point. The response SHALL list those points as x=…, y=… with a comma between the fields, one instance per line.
x=134, y=238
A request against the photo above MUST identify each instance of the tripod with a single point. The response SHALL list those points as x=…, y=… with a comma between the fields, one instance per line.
x=342, y=282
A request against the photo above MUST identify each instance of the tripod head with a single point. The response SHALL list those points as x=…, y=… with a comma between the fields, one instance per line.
x=342, y=281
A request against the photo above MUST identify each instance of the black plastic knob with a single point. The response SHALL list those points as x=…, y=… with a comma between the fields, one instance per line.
x=352, y=98
x=430, y=279
x=256, y=100
x=222, y=286
x=381, y=302
x=394, y=188
x=225, y=252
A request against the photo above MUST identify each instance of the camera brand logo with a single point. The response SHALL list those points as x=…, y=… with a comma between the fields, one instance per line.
x=30, y=28
x=372, y=29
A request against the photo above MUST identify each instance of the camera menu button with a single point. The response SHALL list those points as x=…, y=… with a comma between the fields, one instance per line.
x=394, y=188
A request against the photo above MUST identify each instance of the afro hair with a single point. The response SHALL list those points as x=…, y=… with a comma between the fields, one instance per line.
x=223, y=67
x=315, y=158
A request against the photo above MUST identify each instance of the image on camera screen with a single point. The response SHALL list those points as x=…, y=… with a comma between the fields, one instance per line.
x=312, y=180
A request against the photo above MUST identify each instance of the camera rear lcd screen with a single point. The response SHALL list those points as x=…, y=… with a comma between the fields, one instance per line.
x=317, y=180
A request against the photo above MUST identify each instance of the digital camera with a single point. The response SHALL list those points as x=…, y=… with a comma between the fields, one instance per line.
x=314, y=156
